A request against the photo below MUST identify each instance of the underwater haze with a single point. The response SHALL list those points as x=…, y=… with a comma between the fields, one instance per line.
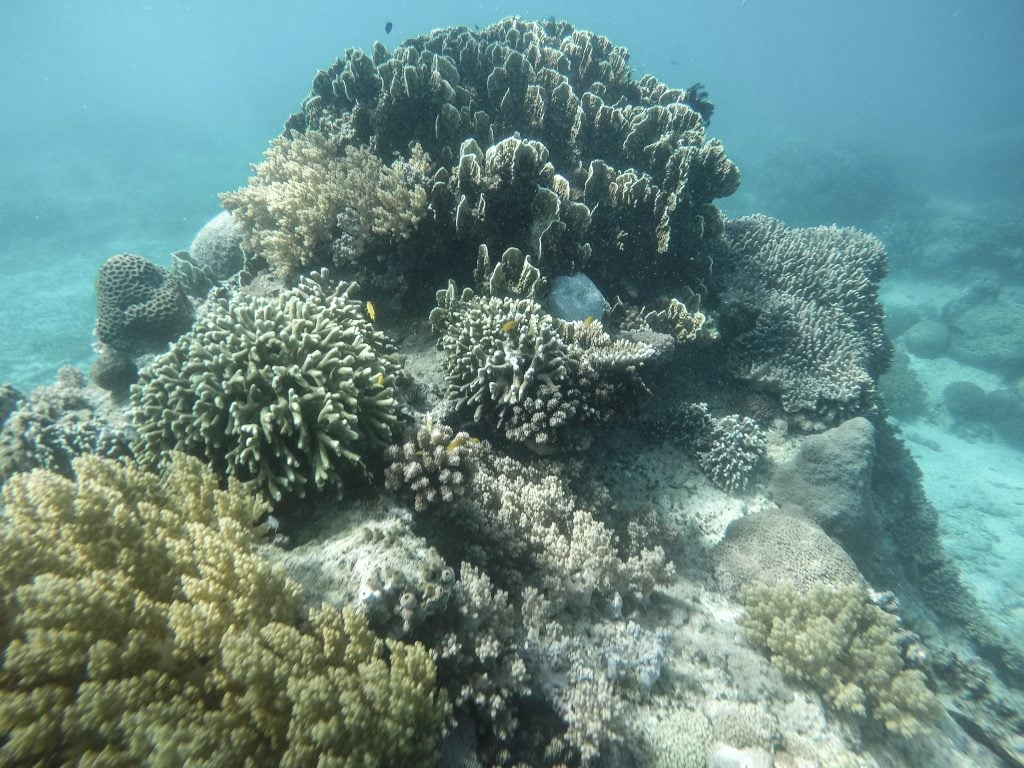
x=123, y=122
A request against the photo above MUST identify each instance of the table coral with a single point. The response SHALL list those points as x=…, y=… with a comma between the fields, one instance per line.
x=140, y=626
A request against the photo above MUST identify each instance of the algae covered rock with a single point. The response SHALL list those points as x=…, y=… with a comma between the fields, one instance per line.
x=288, y=391
x=927, y=339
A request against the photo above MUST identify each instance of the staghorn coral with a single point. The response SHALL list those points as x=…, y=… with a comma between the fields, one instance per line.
x=287, y=391
x=516, y=369
x=844, y=645
x=804, y=311
x=431, y=468
x=139, y=306
x=615, y=169
x=309, y=189
x=141, y=627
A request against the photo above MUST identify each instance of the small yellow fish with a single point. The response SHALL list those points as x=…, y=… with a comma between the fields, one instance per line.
x=371, y=312
x=588, y=321
x=380, y=379
x=458, y=440
x=509, y=325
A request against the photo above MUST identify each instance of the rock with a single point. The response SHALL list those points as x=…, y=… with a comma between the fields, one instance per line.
x=989, y=335
x=927, y=339
x=575, y=297
x=965, y=401
x=828, y=481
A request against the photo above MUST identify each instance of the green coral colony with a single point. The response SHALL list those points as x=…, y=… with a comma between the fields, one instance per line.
x=512, y=611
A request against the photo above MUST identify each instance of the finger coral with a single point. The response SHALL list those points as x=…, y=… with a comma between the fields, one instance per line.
x=513, y=367
x=288, y=391
x=141, y=627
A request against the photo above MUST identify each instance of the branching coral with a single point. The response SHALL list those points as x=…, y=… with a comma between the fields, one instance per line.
x=55, y=424
x=287, y=391
x=308, y=189
x=140, y=627
x=727, y=448
x=840, y=642
x=513, y=367
x=432, y=468
x=804, y=305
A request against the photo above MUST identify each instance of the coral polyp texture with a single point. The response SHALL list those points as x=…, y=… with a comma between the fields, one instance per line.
x=288, y=391
x=510, y=366
x=837, y=640
x=140, y=626
x=432, y=467
x=615, y=170
x=804, y=305
x=139, y=305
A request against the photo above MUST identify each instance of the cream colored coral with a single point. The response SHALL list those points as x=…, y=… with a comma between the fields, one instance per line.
x=141, y=626
x=306, y=191
x=845, y=646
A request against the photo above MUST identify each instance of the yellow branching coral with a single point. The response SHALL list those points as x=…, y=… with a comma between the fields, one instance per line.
x=306, y=192
x=838, y=641
x=141, y=626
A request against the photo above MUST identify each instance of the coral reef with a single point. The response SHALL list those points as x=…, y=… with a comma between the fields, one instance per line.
x=311, y=188
x=54, y=425
x=141, y=626
x=139, y=306
x=803, y=315
x=514, y=368
x=728, y=449
x=288, y=391
x=431, y=468
x=840, y=642
x=828, y=480
x=772, y=548
x=214, y=255
x=614, y=168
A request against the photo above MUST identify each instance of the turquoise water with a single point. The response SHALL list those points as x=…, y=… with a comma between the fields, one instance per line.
x=122, y=121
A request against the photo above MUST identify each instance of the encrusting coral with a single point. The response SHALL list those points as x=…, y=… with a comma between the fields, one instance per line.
x=839, y=641
x=141, y=627
x=288, y=391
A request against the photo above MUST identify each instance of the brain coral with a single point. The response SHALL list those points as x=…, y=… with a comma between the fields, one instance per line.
x=614, y=169
x=804, y=307
x=139, y=306
x=286, y=391
x=140, y=626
